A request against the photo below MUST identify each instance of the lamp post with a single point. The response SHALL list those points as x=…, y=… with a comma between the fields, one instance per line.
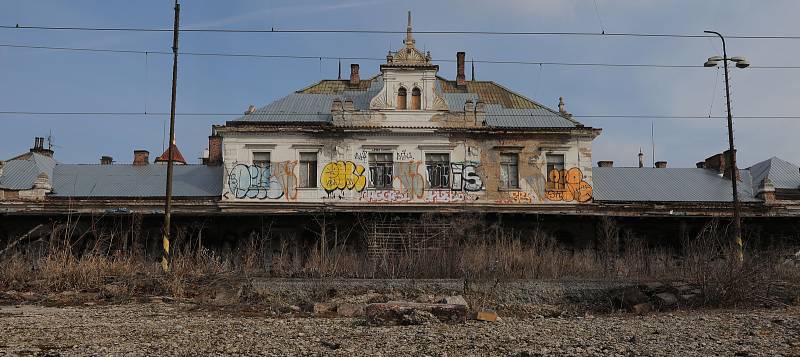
x=740, y=62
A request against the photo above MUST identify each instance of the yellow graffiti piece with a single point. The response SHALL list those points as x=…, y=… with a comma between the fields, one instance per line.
x=341, y=175
x=568, y=186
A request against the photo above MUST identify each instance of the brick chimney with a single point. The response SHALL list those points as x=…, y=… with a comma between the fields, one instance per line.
x=38, y=147
x=141, y=157
x=720, y=163
x=661, y=164
x=461, y=78
x=605, y=163
x=355, y=79
x=214, y=151
x=106, y=160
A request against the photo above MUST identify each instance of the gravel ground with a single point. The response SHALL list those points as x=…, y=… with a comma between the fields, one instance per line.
x=174, y=328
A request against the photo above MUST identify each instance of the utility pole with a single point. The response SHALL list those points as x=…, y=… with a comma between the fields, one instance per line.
x=165, y=259
x=737, y=220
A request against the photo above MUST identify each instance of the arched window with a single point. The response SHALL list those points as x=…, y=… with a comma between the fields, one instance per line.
x=401, y=98
x=416, y=97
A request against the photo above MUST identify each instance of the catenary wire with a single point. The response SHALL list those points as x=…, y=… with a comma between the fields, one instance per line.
x=266, y=56
x=602, y=116
x=429, y=32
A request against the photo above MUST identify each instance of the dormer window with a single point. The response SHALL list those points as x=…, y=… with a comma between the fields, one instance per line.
x=401, y=99
x=416, y=96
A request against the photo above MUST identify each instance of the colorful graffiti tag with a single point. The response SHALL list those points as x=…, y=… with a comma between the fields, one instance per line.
x=515, y=197
x=343, y=175
x=568, y=186
x=264, y=182
x=465, y=177
x=409, y=179
x=443, y=196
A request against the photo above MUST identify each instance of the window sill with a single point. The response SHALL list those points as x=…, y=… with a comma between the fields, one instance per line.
x=515, y=189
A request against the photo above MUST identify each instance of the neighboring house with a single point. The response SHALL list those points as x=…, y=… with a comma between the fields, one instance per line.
x=27, y=176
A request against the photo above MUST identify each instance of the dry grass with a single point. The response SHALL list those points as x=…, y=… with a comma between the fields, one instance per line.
x=483, y=256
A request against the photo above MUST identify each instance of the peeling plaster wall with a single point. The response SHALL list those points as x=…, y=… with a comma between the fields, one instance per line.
x=343, y=167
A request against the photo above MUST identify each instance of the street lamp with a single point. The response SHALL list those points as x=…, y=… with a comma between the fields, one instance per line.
x=740, y=62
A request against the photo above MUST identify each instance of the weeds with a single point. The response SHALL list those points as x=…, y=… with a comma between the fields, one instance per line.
x=88, y=258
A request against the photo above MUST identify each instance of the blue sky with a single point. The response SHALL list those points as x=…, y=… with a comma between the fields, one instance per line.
x=38, y=80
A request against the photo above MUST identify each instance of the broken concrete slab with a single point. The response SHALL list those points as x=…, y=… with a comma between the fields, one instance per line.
x=350, y=310
x=454, y=300
x=324, y=309
x=666, y=300
x=393, y=312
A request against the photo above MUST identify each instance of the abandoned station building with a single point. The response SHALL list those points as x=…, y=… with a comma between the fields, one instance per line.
x=404, y=142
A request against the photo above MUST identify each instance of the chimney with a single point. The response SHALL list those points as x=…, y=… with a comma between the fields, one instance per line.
x=766, y=190
x=141, y=157
x=354, y=77
x=214, y=151
x=461, y=78
x=728, y=157
x=701, y=164
x=605, y=163
x=38, y=147
x=661, y=164
x=250, y=110
x=641, y=158
x=106, y=160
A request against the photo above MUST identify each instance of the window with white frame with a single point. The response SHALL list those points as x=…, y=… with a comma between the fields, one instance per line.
x=509, y=170
x=380, y=170
x=555, y=172
x=308, y=169
x=438, y=166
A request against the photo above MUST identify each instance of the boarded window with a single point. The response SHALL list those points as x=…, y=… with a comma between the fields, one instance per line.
x=509, y=170
x=261, y=159
x=380, y=170
x=416, y=98
x=555, y=172
x=438, y=166
x=401, y=99
x=308, y=169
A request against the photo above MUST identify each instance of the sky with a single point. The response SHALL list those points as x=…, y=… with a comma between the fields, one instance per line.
x=61, y=81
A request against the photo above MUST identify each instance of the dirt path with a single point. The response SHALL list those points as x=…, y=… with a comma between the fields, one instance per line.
x=182, y=329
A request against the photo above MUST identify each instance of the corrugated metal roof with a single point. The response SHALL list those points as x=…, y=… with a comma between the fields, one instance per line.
x=504, y=108
x=633, y=184
x=783, y=174
x=20, y=173
x=136, y=181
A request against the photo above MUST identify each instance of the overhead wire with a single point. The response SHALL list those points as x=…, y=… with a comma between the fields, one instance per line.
x=366, y=31
x=600, y=116
x=314, y=57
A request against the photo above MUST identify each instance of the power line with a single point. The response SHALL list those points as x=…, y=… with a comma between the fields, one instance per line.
x=310, y=57
x=430, y=32
x=598, y=116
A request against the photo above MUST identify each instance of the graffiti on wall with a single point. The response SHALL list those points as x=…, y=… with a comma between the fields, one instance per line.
x=409, y=180
x=343, y=175
x=394, y=196
x=274, y=181
x=442, y=196
x=465, y=177
x=515, y=197
x=568, y=186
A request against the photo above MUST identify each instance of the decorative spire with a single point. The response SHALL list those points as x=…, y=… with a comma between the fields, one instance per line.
x=409, y=41
x=641, y=158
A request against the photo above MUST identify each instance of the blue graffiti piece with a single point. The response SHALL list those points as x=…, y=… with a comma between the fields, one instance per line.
x=250, y=181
